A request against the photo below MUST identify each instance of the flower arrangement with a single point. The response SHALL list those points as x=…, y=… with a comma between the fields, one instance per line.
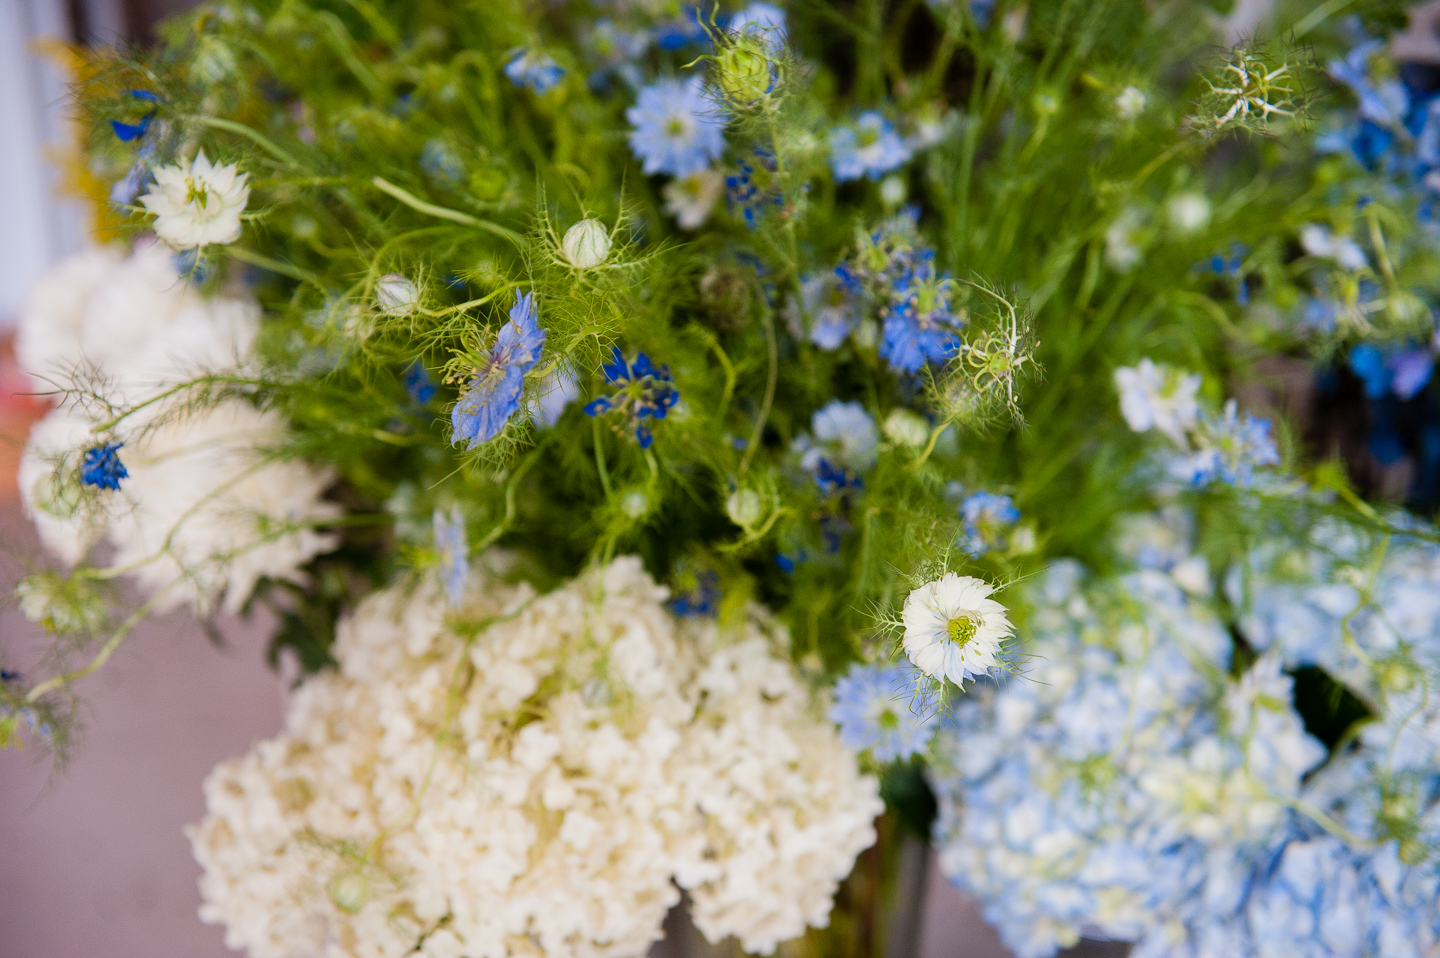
x=661, y=433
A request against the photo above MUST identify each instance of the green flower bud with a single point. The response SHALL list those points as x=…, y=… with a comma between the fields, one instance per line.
x=744, y=70
x=396, y=295
x=906, y=428
x=349, y=892
x=745, y=507
x=586, y=244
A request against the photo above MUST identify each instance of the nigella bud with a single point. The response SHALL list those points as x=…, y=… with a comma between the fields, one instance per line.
x=586, y=244
x=906, y=428
x=745, y=507
x=396, y=295
x=744, y=69
x=349, y=892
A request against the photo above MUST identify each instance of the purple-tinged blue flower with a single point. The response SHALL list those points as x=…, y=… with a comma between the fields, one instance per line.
x=454, y=552
x=533, y=69
x=988, y=517
x=876, y=709
x=102, y=468
x=419, y=384
x=869, y=148
x=677, y=129
x=697, y=593
x=1231, y=446
x=1403, y=372
x=919, y=326
x=645, y=392
x=494, y=393
x=1385, y=103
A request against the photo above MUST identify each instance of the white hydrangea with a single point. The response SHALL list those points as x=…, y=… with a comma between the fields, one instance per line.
x=541, y=788
x=207, y=509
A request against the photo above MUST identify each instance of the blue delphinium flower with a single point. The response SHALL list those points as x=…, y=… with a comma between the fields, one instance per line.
x=102, y=468
x=919, y=326
x=533, y=69
x=1232, y=445
x=454, y=552
x=419, y=384
x=678, y=130
x=869, y=148
x=843, y=446
x=494, y=392
x=987, y=518
x=827, y=310
x=645, y=392
x=875, y=710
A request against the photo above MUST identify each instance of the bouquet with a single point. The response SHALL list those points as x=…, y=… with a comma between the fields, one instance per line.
x=681, y=444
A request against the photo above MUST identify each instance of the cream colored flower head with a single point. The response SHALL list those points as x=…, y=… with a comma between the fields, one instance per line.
x=953, y=629
x=198, y=204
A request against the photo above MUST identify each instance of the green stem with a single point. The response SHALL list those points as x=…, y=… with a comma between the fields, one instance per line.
x=65, y=678
x=441, y=212
x=600, y=458
x=770, y=381
x=220, y=123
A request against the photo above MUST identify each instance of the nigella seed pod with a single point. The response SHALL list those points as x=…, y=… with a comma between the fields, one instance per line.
x=396, y=295
x=586, y=244
x=349, y=892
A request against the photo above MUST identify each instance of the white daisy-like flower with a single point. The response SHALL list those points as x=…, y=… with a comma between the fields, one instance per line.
x=198, y=204
x=1158, y=397
x=953, y=629
x=690, y=199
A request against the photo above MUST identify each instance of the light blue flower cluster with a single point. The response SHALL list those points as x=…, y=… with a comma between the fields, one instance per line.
x=677, y=128
x=1093, y=793
x=868, y=148
x=1231, y=446
x=493, y=395
x=877, y=710
x=988, y=521
x=827, y=310
x=534, y=70
x=842, y=446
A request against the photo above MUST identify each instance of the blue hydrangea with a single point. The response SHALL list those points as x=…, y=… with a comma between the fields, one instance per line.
x=877, y=709
x=677, y=129
x=454, y=551
x=102, y=468
x=494, y=393
x=644, y=392
x=1232, y=445
x=919, y=327
x=988, y=518
x=533, y=69
x=827, y=310
x=418, y=384
x=843, y=444
x=869, y=148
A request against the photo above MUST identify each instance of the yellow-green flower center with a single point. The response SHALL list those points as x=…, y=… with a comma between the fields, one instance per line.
x=196, y=192
x=962, y=628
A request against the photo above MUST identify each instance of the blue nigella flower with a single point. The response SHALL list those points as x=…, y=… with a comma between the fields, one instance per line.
x=681, y=31
x=1404, y=373
x=762, y=21
x=1386, y=103
x=1232, y=445
x=102, y=468
x=7, y=676
x=701, y=596
x=454, y=552
x=133, y=131
x=615, y=52
x=844, y=445
x=919, y=326
x=870, y=148
x=987, y=518
x=1232, y=268
x=440, y=163
x=788, y=561
x=750, y=191
x=678, y=130
x=875, y=710
x=419, y=384
x=533, y=69
x=827, y=310
x=645, y=392
x=494, y=394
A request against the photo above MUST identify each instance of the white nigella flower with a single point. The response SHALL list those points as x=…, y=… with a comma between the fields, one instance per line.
x=1158, y=397
x=690, y=199
x=953, y=629
x=1320, y=242
x=198, y=204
